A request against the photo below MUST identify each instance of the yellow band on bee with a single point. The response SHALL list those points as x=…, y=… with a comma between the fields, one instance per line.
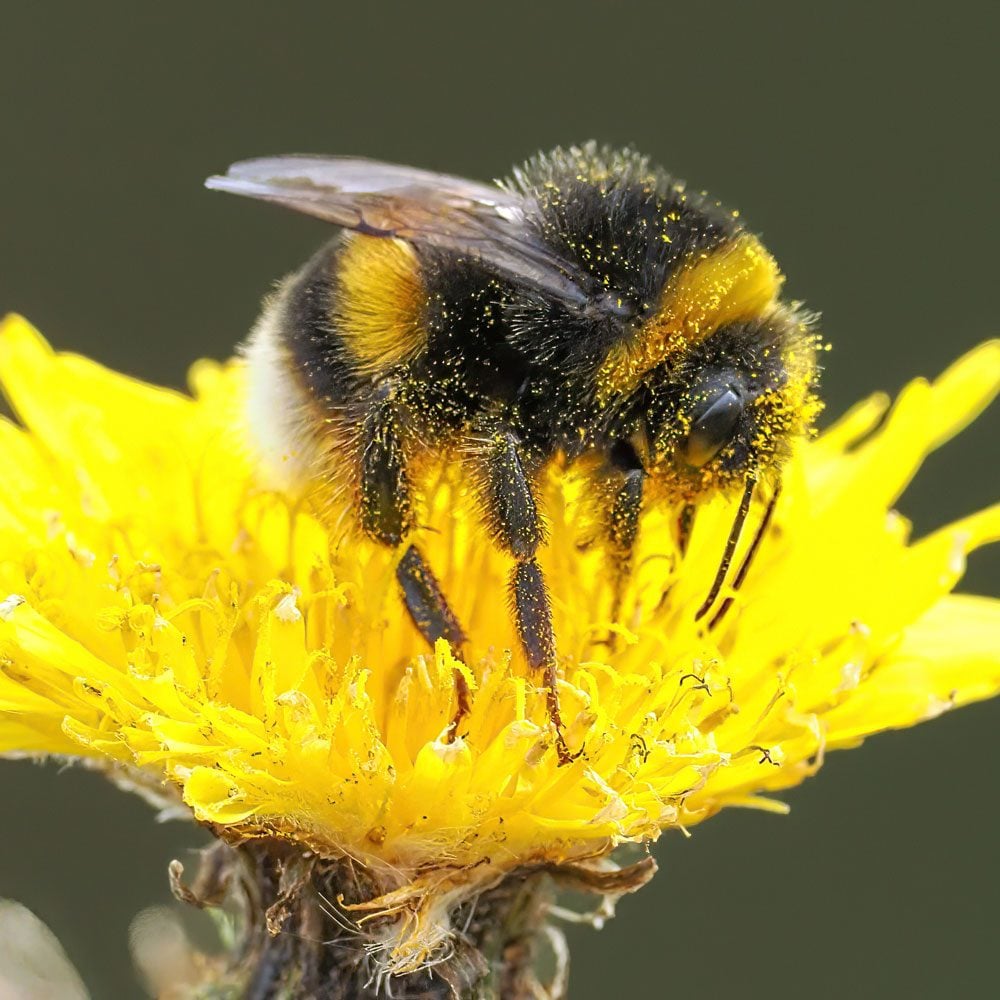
x=736, y=281
x=379, y=295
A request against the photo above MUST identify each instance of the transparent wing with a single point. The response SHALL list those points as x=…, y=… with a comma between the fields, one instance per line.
x=422, y=207
x=33, y=965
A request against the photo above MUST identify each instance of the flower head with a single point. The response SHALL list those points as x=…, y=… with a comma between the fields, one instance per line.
x=172, y=618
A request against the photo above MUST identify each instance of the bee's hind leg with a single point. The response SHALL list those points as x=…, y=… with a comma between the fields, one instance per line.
x=513, y=518
x=433, y=617
x=386, y=516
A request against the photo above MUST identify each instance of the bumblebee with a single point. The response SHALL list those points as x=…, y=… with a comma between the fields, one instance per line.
x=587, y=311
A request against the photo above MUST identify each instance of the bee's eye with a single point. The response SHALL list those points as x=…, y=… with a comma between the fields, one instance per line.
x=712, y=426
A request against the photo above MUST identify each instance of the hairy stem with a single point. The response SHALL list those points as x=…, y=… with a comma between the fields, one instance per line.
x=298, y=939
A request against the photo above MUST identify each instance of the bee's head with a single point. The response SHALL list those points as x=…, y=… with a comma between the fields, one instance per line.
x=728, y=407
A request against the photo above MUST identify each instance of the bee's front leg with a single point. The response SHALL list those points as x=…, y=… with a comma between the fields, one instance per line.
x=386, y=515
x=623, y=530
x=512, y=517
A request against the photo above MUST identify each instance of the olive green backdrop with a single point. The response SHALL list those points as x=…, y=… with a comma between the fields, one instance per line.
x=860, y=139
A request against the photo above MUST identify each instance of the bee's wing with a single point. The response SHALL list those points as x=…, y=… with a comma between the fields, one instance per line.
x=33, y=965
x=383, y=199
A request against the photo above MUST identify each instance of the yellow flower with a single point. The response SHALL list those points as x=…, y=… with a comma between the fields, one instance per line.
x=169, y=615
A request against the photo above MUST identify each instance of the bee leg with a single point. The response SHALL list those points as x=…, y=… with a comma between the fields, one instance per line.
x=433, y=618
x=685, y=525
x=386, y=516
x=623, y=529
x=384, y=496
x=512, y=514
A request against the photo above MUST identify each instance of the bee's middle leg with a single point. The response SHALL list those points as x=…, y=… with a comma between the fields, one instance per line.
x=386, y=516
x=512, y=515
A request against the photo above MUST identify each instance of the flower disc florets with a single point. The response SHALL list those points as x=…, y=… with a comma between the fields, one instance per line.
x=168, y=616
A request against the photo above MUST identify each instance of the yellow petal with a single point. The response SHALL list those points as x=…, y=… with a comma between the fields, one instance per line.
x=168, y=613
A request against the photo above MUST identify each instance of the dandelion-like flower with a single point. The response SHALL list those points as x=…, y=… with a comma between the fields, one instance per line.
x=212, y=643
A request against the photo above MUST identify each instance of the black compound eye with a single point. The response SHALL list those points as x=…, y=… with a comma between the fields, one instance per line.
x=712, y=426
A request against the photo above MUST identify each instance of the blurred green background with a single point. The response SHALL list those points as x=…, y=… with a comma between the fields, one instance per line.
x=860, y=139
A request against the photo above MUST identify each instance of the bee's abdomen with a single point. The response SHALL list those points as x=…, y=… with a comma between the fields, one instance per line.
x=377, y=303
x=354, y=314
x=348, y=320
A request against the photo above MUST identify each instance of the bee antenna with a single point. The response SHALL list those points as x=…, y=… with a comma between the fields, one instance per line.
x=727, y=555
x=741, y=573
